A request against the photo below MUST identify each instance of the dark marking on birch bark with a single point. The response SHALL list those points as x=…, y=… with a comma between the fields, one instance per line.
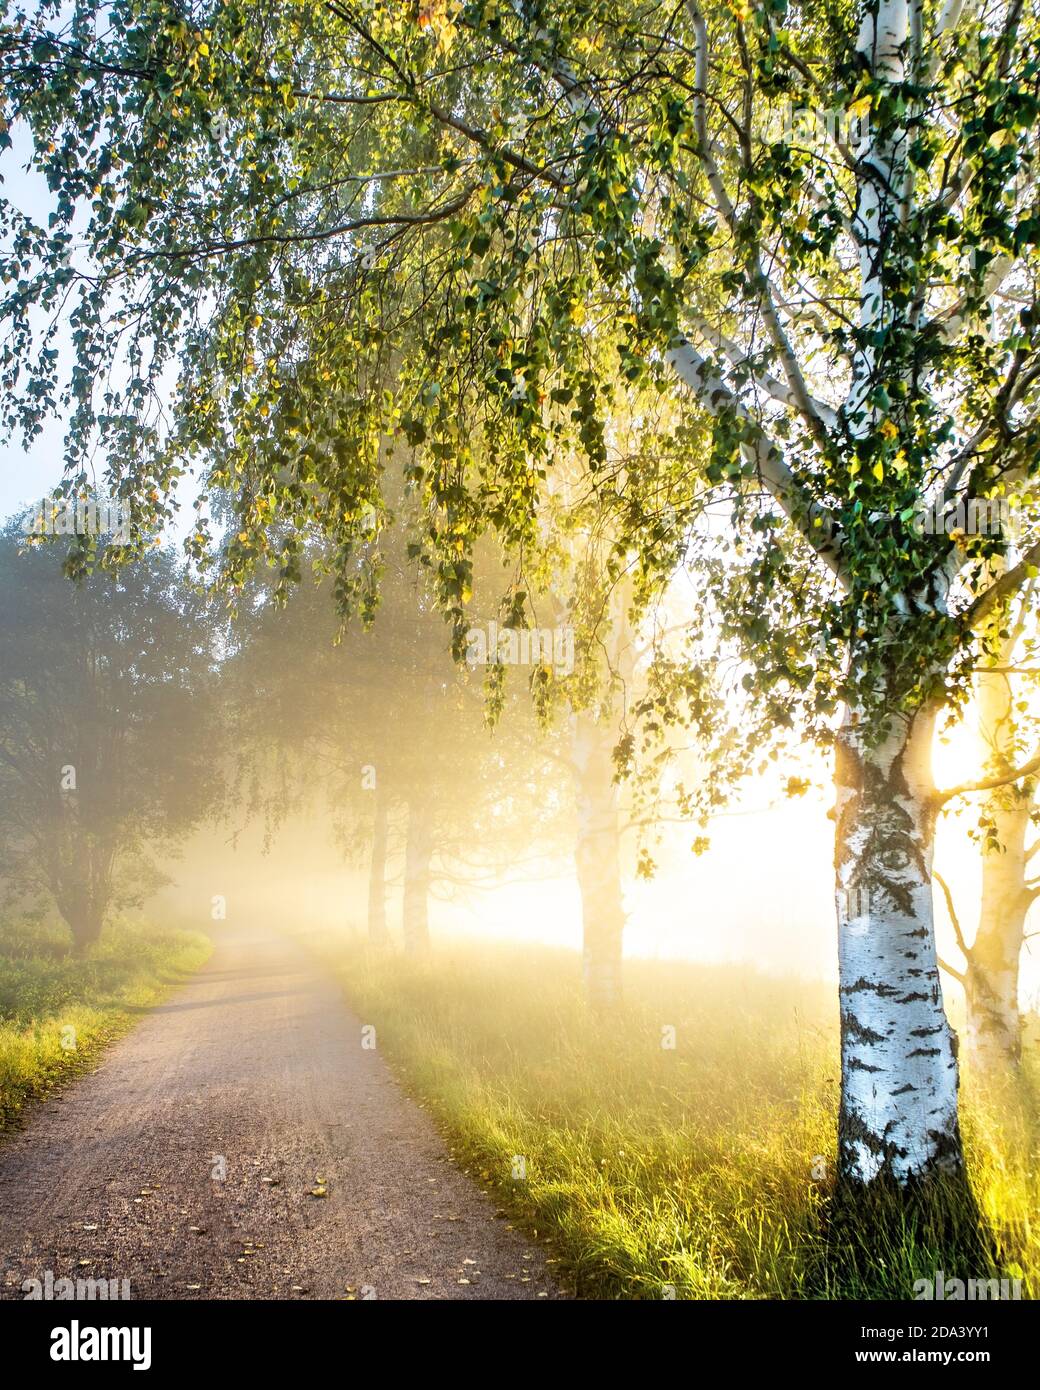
x=859, y=1031
x=862, y=986
x=891, y=841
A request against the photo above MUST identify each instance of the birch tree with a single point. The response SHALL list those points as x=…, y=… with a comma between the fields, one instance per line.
x=1005, y=833
x=481, y=191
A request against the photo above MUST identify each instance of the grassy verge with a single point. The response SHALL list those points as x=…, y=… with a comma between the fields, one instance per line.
x=58, y=1012
x=695, y=1171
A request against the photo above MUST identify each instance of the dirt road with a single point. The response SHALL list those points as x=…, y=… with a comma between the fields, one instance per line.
x=241, y=1143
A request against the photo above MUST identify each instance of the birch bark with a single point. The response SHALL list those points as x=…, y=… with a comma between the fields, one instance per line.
x=898, y=1117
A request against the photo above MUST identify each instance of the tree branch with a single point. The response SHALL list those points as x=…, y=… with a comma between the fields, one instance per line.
x=1002, y=588
x=813, y=520
x=957, y=974
x=779, y=390
x=953, y=918
x=988, y=784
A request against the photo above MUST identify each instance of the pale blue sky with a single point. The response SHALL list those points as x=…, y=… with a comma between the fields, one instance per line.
x=26, y=477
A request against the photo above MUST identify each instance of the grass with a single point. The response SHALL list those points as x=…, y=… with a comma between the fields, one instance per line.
x=58, y=1012
x=699, y=1172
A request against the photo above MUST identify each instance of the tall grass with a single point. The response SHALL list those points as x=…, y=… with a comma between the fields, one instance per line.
x=58, y=1011
x=699, y=1171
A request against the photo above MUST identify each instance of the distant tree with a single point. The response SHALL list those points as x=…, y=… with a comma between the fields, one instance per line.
x=622, y=713
x=384, y=730
x=107, y=756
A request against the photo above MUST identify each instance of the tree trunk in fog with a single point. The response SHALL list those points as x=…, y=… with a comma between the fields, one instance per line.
x=85, y=920
x=994, y=1030
x=377, y=932
x=597, y=858
x=417, y=856
x=899, y=1079
x=82, y=891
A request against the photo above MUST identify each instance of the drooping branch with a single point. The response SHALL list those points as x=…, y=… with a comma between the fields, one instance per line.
x=394, y=221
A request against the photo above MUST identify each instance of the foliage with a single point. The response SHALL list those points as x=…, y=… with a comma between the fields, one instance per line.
x=520, y=215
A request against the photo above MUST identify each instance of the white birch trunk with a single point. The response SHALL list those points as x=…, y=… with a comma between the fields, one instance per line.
x=881, y=193
x=898, y=1119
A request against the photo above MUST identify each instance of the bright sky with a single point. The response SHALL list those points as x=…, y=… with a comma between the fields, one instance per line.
x=27, y=477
